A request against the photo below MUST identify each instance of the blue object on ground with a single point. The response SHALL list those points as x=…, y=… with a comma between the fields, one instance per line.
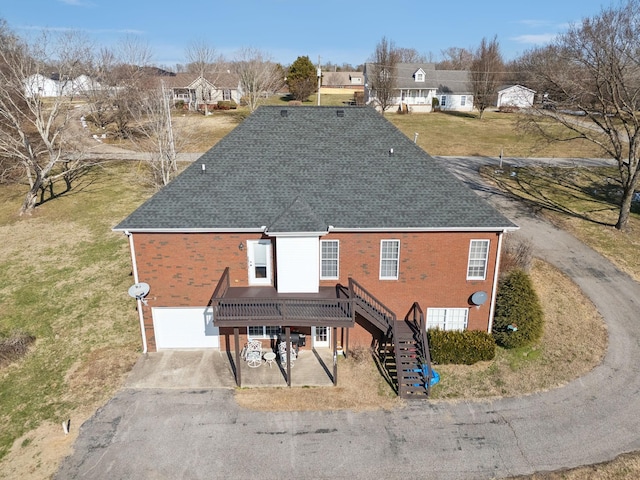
x=435, y=376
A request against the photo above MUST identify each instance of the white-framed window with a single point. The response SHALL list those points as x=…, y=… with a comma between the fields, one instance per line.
x=389, y=259
x=329, y=259
x=267, y=332
x=419, y=77
x=478, y=256
x=447, y=318
x=463, y=100
x=443, y=101
x=226, y=94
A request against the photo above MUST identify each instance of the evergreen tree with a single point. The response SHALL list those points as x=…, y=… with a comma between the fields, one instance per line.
x=302, y=79
x=518, y=318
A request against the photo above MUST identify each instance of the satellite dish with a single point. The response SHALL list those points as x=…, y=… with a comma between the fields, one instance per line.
x=479, y=298
x=139, y=290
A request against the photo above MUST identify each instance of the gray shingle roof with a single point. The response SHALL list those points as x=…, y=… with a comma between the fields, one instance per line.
x=444, y=81
x=302, y=169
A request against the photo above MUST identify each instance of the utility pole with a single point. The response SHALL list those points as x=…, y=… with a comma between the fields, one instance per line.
x=319, y=72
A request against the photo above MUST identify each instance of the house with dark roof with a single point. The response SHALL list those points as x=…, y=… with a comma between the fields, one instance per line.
x=343, y=80
x=198, y=92
x=420, y=87
x=325, y=225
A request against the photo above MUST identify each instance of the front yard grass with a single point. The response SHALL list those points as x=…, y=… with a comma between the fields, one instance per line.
x=463, y=134
x=63, y=279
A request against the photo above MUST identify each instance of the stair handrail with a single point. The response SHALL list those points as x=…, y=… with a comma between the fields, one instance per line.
x=385, y=313
x=222, y=287
x=416, y=316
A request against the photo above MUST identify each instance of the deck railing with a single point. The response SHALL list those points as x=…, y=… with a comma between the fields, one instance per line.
x=221, y=288
x=415, y=317
x=282, y=311
x=376, y=310
x=238, y=311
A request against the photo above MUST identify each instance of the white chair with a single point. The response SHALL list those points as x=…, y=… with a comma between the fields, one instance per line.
x=282, y=353
x=253, y=353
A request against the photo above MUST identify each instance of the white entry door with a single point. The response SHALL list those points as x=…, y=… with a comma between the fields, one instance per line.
x=259, y=261
x=321, y=336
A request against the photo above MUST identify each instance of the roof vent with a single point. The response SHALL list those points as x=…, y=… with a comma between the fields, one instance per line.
x=284, y=113
x=391, y=151
x=340, y=113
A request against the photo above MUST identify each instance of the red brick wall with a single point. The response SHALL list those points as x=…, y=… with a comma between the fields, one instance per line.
x=183, y=270
x=433, y=270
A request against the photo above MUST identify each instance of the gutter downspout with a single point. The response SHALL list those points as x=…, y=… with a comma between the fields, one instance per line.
x=134, y=264
x=495, y=282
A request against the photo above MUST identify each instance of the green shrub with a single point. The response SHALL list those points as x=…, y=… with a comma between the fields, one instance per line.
x=466, y=347
x=518, y=318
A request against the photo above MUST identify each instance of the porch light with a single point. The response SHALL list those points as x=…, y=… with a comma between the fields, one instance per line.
x=241, y=246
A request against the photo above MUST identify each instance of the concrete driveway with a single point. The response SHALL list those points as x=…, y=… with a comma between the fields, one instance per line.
x=191, y=434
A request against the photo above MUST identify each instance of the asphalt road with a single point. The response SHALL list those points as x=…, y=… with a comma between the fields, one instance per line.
x=166, y=434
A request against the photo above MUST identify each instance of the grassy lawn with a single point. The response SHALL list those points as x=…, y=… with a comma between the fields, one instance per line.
x=63, y=278
x=581, y=201
x=464, y=134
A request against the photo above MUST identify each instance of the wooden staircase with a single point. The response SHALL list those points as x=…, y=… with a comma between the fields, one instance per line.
x=411, y=368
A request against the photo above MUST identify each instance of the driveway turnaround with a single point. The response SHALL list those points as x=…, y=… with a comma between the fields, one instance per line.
x=202, y=433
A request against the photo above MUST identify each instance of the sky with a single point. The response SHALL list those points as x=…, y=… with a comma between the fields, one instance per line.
x=334, y=31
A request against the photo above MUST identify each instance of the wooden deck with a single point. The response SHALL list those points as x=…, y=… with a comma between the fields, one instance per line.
x=265, y=306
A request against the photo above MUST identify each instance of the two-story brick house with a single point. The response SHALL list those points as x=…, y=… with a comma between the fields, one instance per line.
x=287, y=211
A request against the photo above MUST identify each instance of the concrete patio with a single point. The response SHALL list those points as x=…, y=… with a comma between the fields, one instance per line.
x=204, y=369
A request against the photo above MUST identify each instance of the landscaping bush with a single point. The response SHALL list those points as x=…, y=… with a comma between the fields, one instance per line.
x=227, y=105
x=466, y=347
x=518, y=316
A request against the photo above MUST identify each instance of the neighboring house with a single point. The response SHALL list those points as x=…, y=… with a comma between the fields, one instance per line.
x=40, y=85
x=54, y=86
x=516, y=96
x=197, y=92
x=417, y=84
x=347, y=80
x=319, y=221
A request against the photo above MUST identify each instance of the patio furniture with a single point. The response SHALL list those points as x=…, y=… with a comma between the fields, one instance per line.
x=269, y=358
x=253, y=353
x=282, y=353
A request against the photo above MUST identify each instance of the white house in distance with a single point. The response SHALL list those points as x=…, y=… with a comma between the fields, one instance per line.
x=53, y=86
x=516, y=96
x=418, y=84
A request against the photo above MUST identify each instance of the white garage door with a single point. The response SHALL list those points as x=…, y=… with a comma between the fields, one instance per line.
x=185, y=328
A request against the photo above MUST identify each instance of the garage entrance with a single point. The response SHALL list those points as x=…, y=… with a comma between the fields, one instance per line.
x=185, y=328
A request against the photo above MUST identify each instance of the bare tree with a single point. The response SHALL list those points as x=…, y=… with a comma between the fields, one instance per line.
x=591, y=80
x=259, y=76
x=383, y=73
x=410, y=55
x=201, y=56
x=205, y=62
x=35, y=136
x=455, y=58
x=486, y=74
x=154, y=135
